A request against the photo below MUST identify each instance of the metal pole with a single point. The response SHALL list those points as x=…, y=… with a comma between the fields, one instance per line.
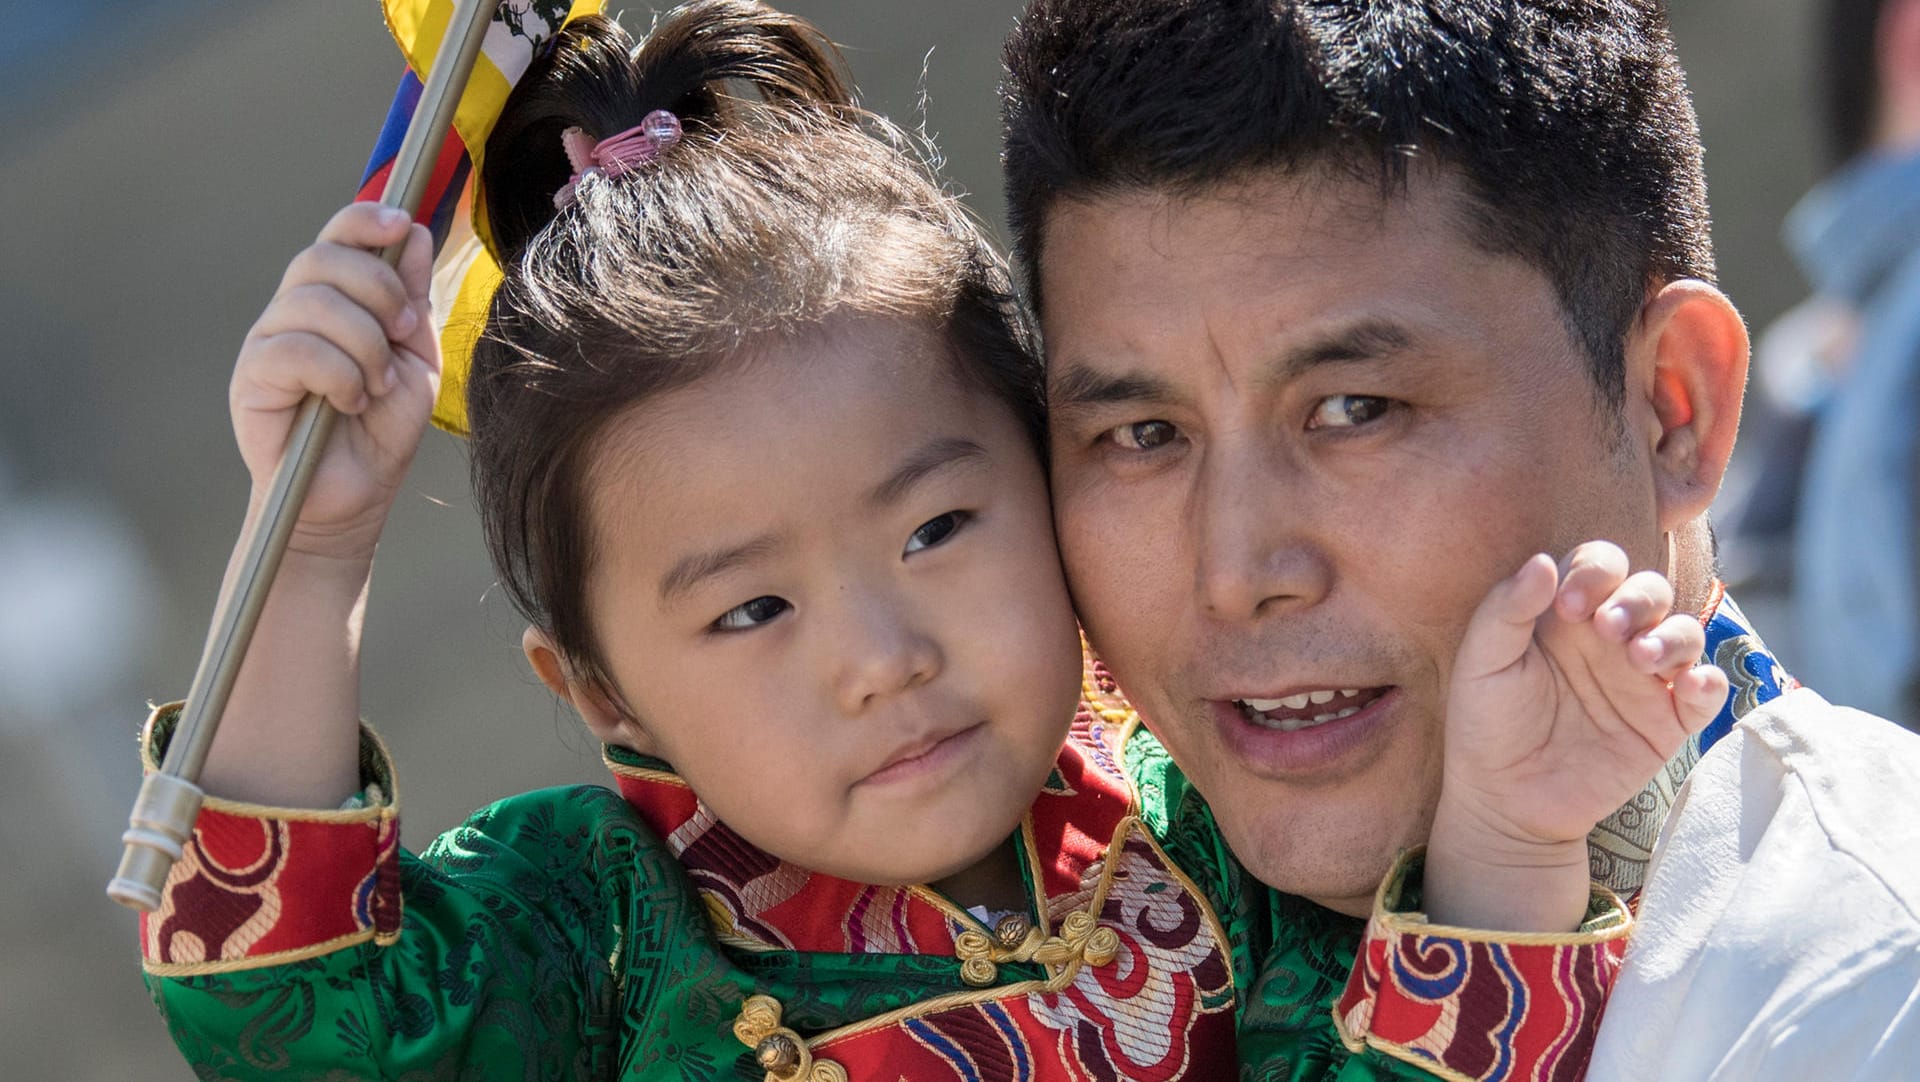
x=169, y=800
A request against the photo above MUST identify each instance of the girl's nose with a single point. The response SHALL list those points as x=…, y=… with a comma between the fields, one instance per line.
x=881, y=653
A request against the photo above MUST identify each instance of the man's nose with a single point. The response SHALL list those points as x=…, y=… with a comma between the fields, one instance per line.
x=1252, y=538
x=879, y=650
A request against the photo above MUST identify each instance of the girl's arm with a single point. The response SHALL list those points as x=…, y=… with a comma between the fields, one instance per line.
x=346, y=326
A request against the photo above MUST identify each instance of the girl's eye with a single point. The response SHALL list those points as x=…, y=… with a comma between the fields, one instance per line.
x=934, y=531
x=752, y=614
x=1143, y=435
x=1348, y=410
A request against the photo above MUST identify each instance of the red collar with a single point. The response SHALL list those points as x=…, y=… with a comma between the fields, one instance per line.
x=758, y=902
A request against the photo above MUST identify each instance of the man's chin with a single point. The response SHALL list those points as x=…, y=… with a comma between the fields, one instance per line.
x=1345, y=884
x=1334, y=853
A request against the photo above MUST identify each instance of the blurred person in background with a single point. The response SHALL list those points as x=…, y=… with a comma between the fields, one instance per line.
x=1837, y=496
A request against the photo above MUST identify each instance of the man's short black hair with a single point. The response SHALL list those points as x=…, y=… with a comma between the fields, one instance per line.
x=1568, y=121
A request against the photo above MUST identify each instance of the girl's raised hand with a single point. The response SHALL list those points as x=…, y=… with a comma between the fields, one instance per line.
x=1573, y=687
x=344, y=325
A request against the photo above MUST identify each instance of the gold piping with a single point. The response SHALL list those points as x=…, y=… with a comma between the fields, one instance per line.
x=263, y=961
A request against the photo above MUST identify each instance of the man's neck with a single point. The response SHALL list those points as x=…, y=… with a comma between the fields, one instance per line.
x=1691, y=566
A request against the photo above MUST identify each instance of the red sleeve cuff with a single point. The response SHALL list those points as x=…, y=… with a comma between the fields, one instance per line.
x=1466, y=1004
x=263, y=886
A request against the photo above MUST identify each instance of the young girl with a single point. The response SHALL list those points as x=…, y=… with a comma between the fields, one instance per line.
x=754, y=437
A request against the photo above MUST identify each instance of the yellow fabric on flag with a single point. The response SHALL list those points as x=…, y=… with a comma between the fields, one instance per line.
x=463, y=285
x=466, y=275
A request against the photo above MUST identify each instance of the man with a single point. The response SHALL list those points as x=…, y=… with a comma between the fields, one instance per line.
x=1349, y=307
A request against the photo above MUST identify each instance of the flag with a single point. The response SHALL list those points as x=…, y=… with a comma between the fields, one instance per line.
x=466, y=271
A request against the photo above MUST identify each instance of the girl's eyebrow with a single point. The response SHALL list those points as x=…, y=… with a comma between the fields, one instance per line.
x=930, y=457
x=692, y=569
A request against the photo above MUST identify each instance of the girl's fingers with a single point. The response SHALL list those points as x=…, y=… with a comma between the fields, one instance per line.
x=1639, y=603
x=1588, y=575
x=359, y=275
x=416, y=274
x=1502, y=627
x=297, y=363
x=416, y=263
x=1698, y=695
x=1669, y=649
x=367, y=226
x=324, y=311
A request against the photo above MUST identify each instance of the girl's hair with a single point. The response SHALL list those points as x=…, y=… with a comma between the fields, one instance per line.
x=782, y=204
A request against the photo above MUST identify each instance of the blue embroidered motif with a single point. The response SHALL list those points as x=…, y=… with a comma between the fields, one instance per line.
x=1753, y=673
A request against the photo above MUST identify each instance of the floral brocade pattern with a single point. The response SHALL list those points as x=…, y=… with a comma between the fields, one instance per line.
x=1476, y=1007
x=254, y=889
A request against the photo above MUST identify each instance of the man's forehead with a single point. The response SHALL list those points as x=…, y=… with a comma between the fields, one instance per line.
x=1271, y=212
x=1328, y=258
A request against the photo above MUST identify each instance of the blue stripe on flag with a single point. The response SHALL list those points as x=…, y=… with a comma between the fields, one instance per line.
x=394, y=128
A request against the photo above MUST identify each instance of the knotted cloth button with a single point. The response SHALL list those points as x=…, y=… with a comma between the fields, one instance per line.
x=781, y=1052
x=777, y=1054
x=1012, y=930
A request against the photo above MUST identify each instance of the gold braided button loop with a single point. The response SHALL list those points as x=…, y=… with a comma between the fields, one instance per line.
x=759, y=1016
x=1080, y=937
x=975, y=951
x=1103, y=946
x=1078, y=926
x=779, y=1051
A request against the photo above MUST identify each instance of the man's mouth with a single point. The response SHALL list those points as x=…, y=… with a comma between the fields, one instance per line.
x=1306, y=709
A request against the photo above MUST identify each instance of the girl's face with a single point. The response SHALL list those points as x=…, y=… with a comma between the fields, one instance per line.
x=827, y=592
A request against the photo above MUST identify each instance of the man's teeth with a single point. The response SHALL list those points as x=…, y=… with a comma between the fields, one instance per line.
x=1256, y=710
x=1300, y=701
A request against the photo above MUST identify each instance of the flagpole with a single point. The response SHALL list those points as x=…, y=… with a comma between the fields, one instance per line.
x=169, y=800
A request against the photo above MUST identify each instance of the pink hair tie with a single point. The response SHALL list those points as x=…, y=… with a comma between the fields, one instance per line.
x=615, y=154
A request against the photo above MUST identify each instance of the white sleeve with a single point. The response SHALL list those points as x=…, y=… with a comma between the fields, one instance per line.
x=1779, y=933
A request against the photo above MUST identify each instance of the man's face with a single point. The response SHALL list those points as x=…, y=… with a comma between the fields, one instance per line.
x=1298, y=432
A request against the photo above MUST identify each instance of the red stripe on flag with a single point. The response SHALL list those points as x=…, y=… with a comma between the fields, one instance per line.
x=452, y=153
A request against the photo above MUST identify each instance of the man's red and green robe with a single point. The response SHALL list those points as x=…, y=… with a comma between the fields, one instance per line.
x=585, y=933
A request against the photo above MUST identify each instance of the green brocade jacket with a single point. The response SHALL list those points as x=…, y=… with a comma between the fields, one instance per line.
x=583, y=933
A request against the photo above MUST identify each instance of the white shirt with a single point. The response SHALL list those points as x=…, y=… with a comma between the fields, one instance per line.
x=1779, y=933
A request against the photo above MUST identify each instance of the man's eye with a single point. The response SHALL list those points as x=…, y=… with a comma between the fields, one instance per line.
x=1142, y=435
x=752, y=614
x=934, y=531
x=1348, y=410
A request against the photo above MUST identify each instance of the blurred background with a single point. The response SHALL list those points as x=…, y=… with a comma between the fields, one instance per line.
x=159, y=163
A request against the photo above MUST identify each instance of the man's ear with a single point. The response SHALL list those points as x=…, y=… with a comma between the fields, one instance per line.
x=1687, y=359
x=609, y=722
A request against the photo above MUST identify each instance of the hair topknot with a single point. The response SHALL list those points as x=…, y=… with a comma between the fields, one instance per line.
x=595, y=77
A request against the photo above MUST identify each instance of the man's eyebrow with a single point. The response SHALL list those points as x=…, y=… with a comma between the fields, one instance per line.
x=1366, y=340
x=929, y=458
x=1079, y=387
x=690, y=570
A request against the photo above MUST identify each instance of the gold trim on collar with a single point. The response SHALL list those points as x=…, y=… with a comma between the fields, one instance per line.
x=641, y=773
